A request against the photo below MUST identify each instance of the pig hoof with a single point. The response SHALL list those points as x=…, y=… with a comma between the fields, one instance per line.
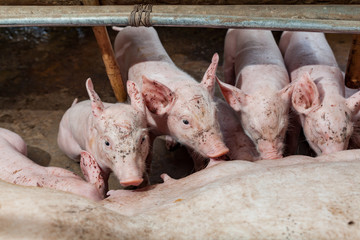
x=166, y=178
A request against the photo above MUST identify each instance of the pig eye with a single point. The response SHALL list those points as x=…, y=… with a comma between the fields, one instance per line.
x=142, y=140
x=107, y=143
x=186, y=122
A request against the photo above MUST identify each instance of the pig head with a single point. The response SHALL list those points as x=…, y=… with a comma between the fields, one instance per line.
x=190, y=114
x=264, y=116
x=327, y=118
x=115, y=135
x=327, y=123
x=239, y=144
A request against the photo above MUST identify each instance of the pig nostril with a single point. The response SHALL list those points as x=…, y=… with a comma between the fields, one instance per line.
x=135, y=182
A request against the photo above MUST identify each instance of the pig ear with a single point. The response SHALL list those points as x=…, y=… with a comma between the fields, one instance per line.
x=353, y=103
x=233, y=95
x=305, y=95
x=137, y=100
x=208, y=80
x=92, y=171
x=96, y=105
x=286, y=92
x=158, y=98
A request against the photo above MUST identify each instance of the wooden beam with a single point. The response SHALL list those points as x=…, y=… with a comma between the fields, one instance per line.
x=352, y=77
x=107, y=52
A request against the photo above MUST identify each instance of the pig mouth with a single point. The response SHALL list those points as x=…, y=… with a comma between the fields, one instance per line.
x=218, y=154
x=221, y=158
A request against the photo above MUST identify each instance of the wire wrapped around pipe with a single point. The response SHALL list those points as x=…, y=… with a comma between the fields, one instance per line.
x=140, y=15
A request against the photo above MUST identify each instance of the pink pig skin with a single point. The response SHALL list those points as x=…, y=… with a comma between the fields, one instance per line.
x=261, y=92
x=296, y=197
x=239, y=144
x=115, y=135
x=354, y=142
x=16, y=168
x=326, y=116
x=177, y=105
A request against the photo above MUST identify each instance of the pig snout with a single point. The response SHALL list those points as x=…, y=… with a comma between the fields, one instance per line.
x=269, y=149
x=214, y=147
x=333, y=148
x=132, y=182
x=128, y=173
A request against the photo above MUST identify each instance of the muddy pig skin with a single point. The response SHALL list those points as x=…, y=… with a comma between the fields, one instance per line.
x=327, y=118
x=289, y=198
x=177, y=105
x=354, y=142
x=114, y=135
x=261, y=92
x=16, y=168
x=239, y=144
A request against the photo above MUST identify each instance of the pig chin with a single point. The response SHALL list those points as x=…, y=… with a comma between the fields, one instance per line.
x=331, y=148
x=269, y=150
x=212, y=149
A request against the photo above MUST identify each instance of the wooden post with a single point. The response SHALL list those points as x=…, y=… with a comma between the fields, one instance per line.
x=352, y=77
x=107, y=52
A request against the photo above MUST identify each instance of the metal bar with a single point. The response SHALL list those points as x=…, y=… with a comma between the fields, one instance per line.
x=177, y=2
x=324, y=18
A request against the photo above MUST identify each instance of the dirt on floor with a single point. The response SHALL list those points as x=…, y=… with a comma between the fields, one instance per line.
x=43, y=69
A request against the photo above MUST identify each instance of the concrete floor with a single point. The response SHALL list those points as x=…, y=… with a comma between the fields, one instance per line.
x=42, y=70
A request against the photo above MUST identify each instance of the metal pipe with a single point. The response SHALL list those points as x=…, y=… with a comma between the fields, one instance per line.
x=324, y=18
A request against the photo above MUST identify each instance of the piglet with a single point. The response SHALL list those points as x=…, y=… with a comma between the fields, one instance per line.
x=113, y=135
x=327, y=118
x=16, y=168
x=261, y=94
x=177, y=105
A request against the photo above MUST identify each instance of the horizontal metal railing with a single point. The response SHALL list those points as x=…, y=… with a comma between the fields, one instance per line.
x=324, y=18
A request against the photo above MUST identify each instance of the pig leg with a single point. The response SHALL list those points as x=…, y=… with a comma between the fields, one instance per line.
x=92, y=172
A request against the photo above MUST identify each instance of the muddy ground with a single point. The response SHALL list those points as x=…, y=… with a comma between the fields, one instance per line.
x=43, y=69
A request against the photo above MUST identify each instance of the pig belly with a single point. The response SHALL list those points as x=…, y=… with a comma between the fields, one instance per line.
x=234, y=200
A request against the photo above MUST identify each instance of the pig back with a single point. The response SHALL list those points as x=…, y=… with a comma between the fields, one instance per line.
x=138, y=44
x=8, y=137
x=253, y=47
x=306, y=48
